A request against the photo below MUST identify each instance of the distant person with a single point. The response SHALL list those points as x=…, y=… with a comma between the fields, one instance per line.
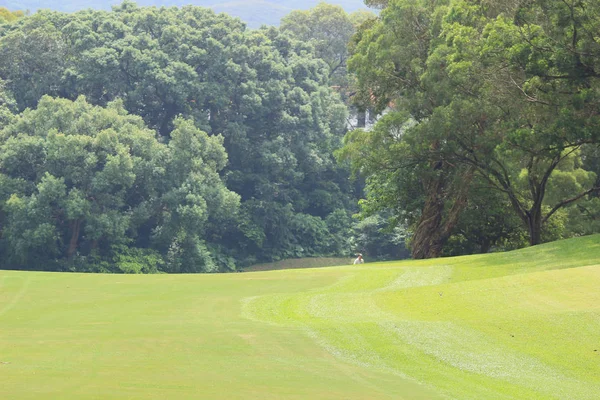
x=359, y=259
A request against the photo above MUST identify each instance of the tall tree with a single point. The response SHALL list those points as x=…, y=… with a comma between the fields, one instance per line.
x=389, y=58
x=534, y=80
x=330, y=29
x=507, y=94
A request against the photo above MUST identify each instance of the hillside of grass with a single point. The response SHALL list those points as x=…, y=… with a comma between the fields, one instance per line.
x=254, y=12
x=518, y=325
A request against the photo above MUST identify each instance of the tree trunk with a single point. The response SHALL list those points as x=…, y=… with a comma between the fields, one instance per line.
x=434, y=227
x=535, y=227
x=75, y=229
x=426, y=242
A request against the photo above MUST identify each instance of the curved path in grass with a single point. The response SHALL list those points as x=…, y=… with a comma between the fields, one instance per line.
x=519, y=325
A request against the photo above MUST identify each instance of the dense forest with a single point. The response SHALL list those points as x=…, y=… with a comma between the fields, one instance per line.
x=177, y=140
x=254, y=12
x=149, y=139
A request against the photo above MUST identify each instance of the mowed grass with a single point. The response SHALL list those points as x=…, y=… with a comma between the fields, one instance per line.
x=294, y=263
x=518, y=325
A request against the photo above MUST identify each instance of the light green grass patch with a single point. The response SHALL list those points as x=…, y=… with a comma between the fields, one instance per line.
x=516, y=325
x=519, y=325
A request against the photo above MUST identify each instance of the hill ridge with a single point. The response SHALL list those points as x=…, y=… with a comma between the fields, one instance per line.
x=254, y=12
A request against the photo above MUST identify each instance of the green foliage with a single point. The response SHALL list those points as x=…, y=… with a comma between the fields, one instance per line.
x=80, y=181
x=339, y=224
x=262, y=96
x=485, y=225
x=377, y=3
x=330, y=28
x=7, y=105
x=502, y=95
x=280, y=232
x=33, y=56
x=376, y=241
x=9, y=16
x=189, y=254
x=131, y=260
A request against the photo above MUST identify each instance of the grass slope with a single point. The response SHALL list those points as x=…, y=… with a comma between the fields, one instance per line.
x=519, y=325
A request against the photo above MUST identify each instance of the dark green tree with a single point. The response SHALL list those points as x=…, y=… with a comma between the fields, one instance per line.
x=33, y=58
x=264, y=91
x=81, y=184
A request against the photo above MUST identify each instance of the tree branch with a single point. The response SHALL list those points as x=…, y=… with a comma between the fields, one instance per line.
x=567, y=202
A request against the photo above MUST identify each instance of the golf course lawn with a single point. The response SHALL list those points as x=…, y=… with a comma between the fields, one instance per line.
x=517, y=325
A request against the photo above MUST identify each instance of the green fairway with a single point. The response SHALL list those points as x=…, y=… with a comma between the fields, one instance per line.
x=519, y=325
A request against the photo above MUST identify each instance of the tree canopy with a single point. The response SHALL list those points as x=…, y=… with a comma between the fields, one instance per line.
x=9, y=16
x=79, y=181
x=496, y=96
x=255, y=13
x=330, y=28
x=264, y=93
